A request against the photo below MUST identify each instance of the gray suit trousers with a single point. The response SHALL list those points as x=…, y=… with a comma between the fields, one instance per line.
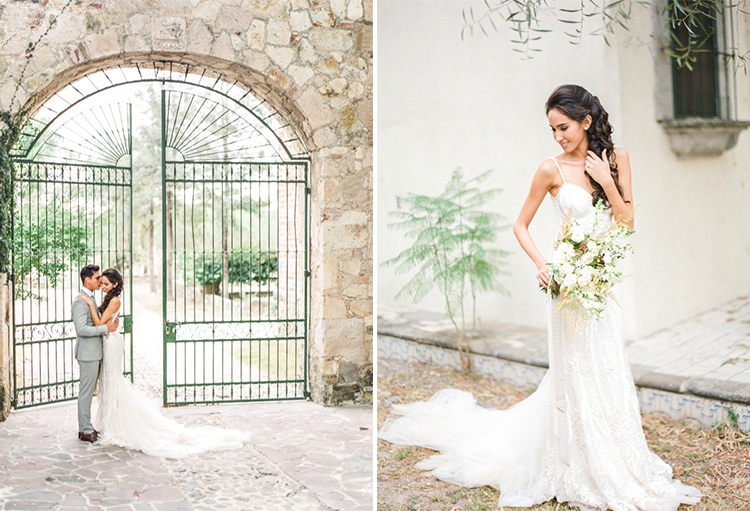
x=89, y=372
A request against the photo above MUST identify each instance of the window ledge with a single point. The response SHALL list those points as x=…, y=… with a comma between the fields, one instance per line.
x=702, y=137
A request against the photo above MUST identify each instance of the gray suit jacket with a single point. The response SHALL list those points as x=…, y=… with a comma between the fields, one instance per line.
x=88, y=336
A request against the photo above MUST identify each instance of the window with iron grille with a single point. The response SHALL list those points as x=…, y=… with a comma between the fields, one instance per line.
x=696, y=84
x=696, y=76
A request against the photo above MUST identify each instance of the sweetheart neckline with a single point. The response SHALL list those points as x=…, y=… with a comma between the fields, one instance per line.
x=572, y=184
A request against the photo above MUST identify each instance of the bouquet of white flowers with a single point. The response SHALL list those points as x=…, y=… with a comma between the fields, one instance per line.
x=583, y=265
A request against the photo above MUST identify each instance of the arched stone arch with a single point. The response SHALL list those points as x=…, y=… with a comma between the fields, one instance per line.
x=311, y=62
x=171, y=67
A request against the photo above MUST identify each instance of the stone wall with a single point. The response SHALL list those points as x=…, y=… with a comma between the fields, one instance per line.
x=6, y=363
x=312, y=60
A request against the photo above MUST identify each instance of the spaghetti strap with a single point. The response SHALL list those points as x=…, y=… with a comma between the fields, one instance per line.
x=559, y=169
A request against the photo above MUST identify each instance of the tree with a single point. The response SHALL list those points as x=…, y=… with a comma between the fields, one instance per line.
x=527, y=21
x=450, y=250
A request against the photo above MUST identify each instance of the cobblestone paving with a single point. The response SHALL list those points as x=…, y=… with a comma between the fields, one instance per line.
x=302, y=456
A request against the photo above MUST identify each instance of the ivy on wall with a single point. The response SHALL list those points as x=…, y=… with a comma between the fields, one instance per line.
x=7, y=138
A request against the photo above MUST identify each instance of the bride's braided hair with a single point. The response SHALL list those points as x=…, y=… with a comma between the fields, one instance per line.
x=115, y=278
x=576, y=103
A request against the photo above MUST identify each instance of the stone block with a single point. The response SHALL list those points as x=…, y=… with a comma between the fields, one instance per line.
x=168, y=33
x=207, y=11
x=300, y=74
x=322, y=17
x=334, y=307
x=268, y=8
x=256, y=35
x=361, y=307
x=66, y=29
x=314, y=106
x=100, y=45
x=355, y=10
x=328, y=66
x=343, y=337
x=278, y=32
x=300, y=21
x=325, y=137
x=331, y=39
x=306, y=53
x=135, y=43
x=199, y=37
x=351, y=265
x=222, y=47
x=256, y=60
x=281, y=56
x=233, y=18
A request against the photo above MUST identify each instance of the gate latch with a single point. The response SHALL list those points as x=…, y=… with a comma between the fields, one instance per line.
x=170, y=331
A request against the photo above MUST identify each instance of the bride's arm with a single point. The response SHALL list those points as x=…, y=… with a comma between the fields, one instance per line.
x=112, y=309
x=109, y=312
x=621, y=203
x=545, y=179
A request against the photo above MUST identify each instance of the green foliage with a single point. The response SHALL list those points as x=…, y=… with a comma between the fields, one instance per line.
x=244, y=266
x=209, y=271
x=46, y=249
x=451, y=250
x=6, y=208
x=9, y=134
x=264, y=266
x=732, y=416
x=528, y=22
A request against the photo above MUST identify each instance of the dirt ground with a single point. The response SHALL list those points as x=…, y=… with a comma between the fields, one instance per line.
x=716, y=461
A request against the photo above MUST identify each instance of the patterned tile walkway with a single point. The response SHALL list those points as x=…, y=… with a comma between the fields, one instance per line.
x=698, y=369
x=302, y=456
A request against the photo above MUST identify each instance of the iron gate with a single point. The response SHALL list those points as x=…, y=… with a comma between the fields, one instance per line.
x=72, y=207
x=235, y=247
x=235, y=267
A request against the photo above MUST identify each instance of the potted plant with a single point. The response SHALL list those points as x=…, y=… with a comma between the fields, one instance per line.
x=208, y=274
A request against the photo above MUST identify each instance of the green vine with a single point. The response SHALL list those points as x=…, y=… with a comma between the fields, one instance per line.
x=9, y=133
x=529, y=20
x=8, y=136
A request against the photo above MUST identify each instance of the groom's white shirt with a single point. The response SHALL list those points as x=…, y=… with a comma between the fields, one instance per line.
x=89, y=293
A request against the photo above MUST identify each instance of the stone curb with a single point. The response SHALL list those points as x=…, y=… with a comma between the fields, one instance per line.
x=505, y=341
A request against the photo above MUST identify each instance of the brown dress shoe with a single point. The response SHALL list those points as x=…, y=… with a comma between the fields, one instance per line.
x=88, y=437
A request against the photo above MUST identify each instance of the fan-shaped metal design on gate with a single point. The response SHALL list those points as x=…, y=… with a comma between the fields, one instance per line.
x=72, y=207
x=234, y=198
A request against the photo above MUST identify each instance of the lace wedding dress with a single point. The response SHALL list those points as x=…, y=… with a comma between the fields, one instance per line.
x=127, y=418
x=577, y=438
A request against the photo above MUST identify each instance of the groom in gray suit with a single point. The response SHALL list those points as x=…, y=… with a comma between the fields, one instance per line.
x=88, y=350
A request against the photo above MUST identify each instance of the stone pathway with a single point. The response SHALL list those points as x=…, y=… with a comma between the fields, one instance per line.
x=302, y=456
x=697, y=369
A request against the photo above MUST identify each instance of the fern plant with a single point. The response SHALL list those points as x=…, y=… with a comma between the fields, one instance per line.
x=451, y=250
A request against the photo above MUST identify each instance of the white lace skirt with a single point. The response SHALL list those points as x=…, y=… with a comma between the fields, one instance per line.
x=129, y=419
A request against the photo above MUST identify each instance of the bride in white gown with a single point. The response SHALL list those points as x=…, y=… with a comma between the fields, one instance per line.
x=129, y=419
x=578, y=438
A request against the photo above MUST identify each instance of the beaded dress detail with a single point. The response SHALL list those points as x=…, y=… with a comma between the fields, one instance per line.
x=577, y=438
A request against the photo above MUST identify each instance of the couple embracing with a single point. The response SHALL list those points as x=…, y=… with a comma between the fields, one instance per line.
x=125, y=417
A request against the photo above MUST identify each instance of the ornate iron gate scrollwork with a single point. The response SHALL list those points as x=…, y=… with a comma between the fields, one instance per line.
x=235, y=248
x=235, y=203
x=72, y=207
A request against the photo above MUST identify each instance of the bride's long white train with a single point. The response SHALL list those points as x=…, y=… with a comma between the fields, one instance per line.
x=127, y=418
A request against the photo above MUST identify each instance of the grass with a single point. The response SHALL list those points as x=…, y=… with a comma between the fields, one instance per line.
x=715, y=460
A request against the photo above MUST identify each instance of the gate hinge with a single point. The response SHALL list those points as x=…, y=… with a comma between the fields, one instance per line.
x=308, y=190
x=308, y=273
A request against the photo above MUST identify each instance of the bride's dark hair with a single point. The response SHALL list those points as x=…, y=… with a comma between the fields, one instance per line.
x=576, y=103
x=115, y=278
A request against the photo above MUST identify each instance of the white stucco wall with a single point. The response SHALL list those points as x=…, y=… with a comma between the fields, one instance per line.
x=444, y=103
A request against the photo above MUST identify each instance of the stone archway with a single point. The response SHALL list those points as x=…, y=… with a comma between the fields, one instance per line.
x=313, y=63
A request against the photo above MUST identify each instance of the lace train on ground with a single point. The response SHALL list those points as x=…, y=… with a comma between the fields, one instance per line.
x=129, y=419
x=577, y=438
